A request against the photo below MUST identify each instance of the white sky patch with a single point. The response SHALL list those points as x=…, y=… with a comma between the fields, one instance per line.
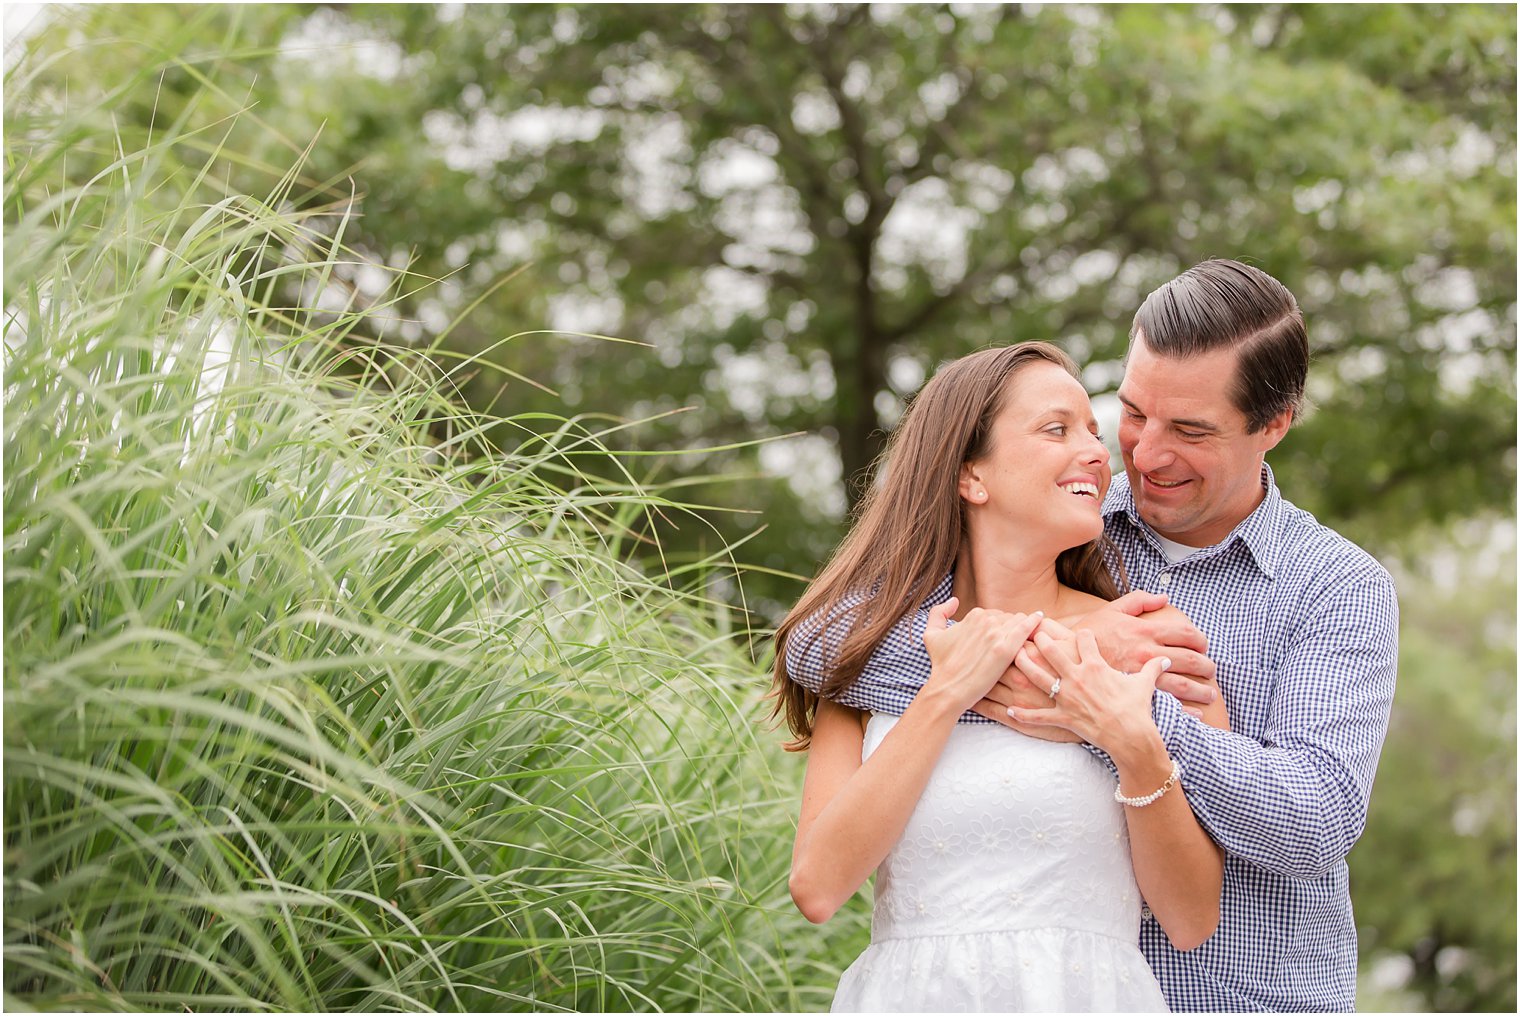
x=519, y=241
x=814, y=113
x=1452, y=289
x=1316, y=197
x=332, y=43
x=732, y=294
x=657, y=161
x=762, y=214
x=21, y=22
x=987, y=186
x=769, y=378
x=1094, y=266
x=487, y=138
x=731, y=165
x=766, y=223
x=577, y=310
x=926, y=228
x=743, y=377
x=1469, y=153
x=812, y=469
x=905, y=374
x=1389, y=971
x=1051, y=175
x=939, y=94
x=639, y=84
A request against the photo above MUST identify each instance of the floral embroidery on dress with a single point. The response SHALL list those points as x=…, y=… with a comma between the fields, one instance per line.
x=989, y=835
x=1036, y=831
x=1010, y=887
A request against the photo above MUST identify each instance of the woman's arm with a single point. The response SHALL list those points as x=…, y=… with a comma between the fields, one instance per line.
x=1179, y=869
x=854, y=812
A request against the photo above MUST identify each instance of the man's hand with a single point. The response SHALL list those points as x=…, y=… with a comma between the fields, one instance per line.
x=1139, y=626
x=1014, y=689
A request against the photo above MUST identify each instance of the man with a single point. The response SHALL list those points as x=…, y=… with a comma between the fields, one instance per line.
x=1301, y=624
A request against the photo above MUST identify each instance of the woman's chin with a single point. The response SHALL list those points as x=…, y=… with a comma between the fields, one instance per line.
x=1083, y=535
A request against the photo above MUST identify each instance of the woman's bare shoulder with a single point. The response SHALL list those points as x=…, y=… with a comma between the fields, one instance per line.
x=1075, y=603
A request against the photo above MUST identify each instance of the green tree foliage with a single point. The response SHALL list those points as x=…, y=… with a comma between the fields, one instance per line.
x=1434, y=875
x=804, y=210
x=801, y=211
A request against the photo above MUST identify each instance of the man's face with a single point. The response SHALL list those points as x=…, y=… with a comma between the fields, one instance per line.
x=1194, y=470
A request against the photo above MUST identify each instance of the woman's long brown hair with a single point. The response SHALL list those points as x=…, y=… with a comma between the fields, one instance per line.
x=910, y=525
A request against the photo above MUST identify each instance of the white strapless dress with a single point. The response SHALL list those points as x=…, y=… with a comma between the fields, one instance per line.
x=1011, y=889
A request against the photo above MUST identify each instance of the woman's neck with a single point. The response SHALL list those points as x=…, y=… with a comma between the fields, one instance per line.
x=1006, y=579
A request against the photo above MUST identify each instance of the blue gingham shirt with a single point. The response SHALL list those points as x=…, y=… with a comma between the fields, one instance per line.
x=1303, y=626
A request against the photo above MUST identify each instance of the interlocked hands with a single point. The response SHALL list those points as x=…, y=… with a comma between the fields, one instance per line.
x=1101, y=705
x=968, y=657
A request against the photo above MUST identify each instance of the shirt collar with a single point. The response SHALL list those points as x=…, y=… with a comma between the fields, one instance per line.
x=941, y=591
x=1254, y=531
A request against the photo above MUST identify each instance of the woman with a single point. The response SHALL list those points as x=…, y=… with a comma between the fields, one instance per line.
x=1003, y=877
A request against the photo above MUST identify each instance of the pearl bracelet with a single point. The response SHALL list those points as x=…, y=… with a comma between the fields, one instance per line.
x=1153, y=796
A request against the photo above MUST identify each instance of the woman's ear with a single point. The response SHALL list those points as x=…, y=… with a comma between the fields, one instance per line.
x=970, y=485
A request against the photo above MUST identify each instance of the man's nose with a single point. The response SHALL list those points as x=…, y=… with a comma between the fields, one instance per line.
x=1151, y=450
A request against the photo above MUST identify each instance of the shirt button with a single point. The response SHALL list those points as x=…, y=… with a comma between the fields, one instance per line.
x=1145, y=913
x=1165, y=579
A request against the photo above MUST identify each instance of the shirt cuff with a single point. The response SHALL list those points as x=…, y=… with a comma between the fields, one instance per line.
x=1170, y=720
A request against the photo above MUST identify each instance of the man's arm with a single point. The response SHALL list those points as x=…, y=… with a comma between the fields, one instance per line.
x=1295, y=802
x=893, y=675
x=897, y=671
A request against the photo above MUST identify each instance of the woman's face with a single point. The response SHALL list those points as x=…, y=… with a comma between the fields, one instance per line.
x=1045, y=471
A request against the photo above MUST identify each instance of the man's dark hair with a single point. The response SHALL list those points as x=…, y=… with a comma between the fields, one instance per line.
x=1223, y=304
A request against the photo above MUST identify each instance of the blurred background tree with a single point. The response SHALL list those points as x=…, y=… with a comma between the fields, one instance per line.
x=803, y=210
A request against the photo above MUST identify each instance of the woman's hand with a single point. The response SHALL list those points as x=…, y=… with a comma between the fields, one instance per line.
x=969, y=656
x=1105, y=707
x=1198, y=693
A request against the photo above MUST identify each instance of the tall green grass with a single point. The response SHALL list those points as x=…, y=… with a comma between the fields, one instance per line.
x=312, y=701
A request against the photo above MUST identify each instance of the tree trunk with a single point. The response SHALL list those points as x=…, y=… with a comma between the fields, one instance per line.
x=860, y=378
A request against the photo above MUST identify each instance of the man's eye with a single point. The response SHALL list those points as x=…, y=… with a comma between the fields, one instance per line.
x=1192, y=435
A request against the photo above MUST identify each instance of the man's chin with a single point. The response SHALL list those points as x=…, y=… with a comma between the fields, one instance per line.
x=1161, y=519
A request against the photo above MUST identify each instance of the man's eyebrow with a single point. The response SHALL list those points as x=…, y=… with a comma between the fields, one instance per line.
x=1185, y=424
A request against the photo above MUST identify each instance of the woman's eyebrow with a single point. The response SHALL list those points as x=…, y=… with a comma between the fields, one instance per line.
x=1064, y=413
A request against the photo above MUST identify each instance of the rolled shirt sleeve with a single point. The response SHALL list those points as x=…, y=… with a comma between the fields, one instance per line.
x=1295, y=800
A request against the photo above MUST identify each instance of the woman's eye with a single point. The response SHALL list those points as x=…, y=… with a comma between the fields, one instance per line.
x=1058, y=429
